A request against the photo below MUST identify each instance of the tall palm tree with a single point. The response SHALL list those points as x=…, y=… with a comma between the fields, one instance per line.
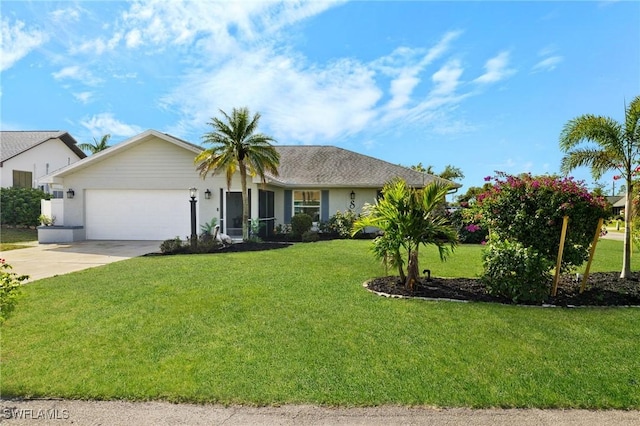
x=237, y=146
x=96, y=146
x=616, y=147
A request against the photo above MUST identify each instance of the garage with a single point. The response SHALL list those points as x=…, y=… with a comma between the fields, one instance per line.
x=135, y=214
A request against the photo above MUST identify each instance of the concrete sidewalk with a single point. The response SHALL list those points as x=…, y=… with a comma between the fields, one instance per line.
x=48, y=260
x=54, y=412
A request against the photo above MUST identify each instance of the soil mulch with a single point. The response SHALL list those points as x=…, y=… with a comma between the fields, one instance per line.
x=252, y=246
x=603, y=289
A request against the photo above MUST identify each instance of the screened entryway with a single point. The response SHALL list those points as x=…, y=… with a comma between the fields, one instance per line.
x=233, y=216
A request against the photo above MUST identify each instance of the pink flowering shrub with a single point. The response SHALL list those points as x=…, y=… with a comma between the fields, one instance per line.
x=530, y=210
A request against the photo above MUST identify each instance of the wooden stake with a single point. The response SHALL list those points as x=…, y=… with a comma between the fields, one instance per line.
x=563, y=235
x=592, y=250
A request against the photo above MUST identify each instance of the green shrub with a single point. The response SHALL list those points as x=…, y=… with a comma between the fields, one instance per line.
x=516, y=272
x=173, y=246
x=9, y=289
x=301, y=223
x=310, y=237
x=21, y=206
x=206, y=244
x=341, y=223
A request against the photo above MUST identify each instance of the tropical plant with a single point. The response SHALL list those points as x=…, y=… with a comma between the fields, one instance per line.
x=237, y=147
x=207, y=227
x=409, y=218
x=96, y=146
x=615, y=146
x=256, y=227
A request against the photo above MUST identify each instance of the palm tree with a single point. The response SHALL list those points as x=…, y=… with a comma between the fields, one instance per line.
x=96, y=146
x=617, y=147
x=409, y=218
x=237, y=146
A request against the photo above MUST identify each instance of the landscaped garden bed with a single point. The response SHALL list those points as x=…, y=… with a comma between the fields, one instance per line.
x=603, y=289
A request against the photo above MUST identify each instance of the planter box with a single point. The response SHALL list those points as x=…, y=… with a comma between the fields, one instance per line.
x=60, y=234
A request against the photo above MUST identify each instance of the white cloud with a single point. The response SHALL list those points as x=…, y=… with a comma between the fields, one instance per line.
x=16, y=42
x=83, y=97
x=133, y=38
x=446, y=79
x=65, y=16
x=106, y=123
x=302, y=103
x=548, y=64
x=496, y=69
x=75, y=72
x=97, y=46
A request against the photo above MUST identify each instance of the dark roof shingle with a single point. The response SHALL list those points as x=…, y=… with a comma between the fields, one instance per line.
x=306, y=165
x=13, y=143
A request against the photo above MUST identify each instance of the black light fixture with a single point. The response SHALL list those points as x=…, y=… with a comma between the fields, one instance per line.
x=70, y=193
x=194, y=237
x=207, y=194
x=353, y=195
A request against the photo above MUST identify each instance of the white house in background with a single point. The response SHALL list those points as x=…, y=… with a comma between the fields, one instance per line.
x=138, y=190
x=26, y=156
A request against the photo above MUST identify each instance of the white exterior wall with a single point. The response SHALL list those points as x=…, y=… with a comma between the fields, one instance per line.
x=153, y=164
x=340, y=199
x=39, y=160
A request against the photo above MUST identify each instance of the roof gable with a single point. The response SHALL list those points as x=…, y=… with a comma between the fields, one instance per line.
x=14, y=143
x=123, y=146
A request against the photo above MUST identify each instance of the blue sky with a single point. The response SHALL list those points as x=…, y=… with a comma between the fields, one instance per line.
x=483, y=86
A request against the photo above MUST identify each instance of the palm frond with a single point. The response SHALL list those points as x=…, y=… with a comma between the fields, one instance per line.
x=603, y=131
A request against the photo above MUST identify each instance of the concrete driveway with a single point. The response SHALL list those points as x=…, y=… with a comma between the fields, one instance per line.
x=48, y=260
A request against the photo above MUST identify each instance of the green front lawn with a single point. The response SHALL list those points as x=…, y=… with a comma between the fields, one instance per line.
x=10, y=238
x=296, y=326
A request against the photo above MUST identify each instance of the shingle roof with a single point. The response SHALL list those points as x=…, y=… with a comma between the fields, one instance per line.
x=13, y=143
x=305, y=165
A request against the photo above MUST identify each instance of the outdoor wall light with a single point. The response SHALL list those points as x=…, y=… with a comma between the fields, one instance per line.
x=193, y=192
x=207, y=194
x=70, y=193
x=353, y=195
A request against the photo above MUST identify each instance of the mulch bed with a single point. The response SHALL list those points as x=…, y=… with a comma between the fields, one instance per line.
x=603, y=289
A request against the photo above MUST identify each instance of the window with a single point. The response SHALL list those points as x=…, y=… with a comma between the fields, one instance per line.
x=22, y=179
x=307, y=202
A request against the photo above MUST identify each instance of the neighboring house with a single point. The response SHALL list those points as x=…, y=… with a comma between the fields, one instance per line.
x=27, y=156
x=139, y=189
x=617, y=204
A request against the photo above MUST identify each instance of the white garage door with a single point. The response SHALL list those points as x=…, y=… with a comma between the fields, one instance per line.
x=137, y=214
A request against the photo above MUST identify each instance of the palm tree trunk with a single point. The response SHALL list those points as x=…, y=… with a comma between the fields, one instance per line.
x=628, y=215
x=413, y=274
x=245, y=201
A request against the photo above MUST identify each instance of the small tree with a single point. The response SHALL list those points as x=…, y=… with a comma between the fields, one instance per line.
x=530, y=210
x=409, y=218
